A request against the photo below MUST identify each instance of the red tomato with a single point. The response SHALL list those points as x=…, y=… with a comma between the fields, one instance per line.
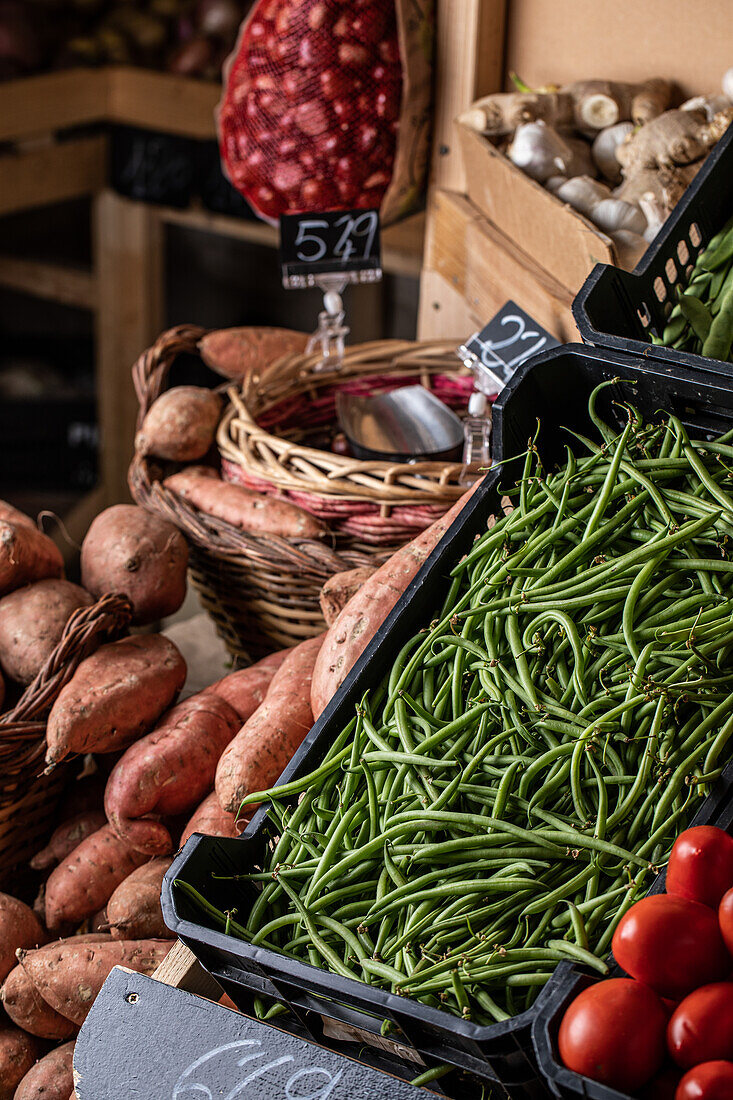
x=613, y=1032
x=710, y=1081
x=725, y=919
x=672, y=944
x=701, y=1029
x=701, y=865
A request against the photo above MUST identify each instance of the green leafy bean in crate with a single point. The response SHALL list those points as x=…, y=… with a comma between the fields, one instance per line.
x=702, y=319
x=503, y=797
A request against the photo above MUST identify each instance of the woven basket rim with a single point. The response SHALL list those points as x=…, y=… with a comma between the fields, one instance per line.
x=292, y=467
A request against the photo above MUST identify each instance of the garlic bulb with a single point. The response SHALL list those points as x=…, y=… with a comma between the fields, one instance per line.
x=614, y=214
x=653, y=212
x=539, y=150
x=604, y=149
x=710, y=104
x=554, y=183
x=727, y=84
x=582, y=193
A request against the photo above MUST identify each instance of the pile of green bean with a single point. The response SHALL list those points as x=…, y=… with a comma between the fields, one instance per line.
x=518, y=779
x=701, y=321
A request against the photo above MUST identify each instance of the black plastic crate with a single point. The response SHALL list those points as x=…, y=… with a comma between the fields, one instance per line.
x=569, y=980
x=618, y=309
x=556, y=386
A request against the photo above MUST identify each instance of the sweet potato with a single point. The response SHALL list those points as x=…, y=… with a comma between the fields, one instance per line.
x=18, y=1052
x=26, y=1007
x=69, y=974
x=19, y=927
x=66, y=838
x=253, y=512
x=133, y=911
x=2, y=691
x=85, y=881
x=338, y=590
x=26, y=555
x=9, y=514
x=244, y=690
x=50, y=1079
x=211, y=820
x=265, y=743
x=32, y=620
x=235, y=352
x=169, y=771
x=347, y=638
x=139, y=554
x=181, y=425
x=115, y=696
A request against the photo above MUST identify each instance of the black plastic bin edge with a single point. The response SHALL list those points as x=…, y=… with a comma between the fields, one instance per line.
x=622, y=290
x=569, y=980
x=501, y=1050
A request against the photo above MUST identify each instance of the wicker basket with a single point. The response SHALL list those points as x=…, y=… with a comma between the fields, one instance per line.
x=28, y=797
x=263, y=591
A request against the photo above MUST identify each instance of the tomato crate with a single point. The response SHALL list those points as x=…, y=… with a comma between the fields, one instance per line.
x=569, y=980
x=619, y=309
x=558, y=384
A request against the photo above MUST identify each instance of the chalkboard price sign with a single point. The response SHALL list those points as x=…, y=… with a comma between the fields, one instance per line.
x=510, y=339
x=335, y=242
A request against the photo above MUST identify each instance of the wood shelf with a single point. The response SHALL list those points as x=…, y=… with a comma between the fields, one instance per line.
x=70, y=286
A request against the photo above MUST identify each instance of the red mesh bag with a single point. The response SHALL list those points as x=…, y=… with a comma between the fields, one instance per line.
x=327, y=106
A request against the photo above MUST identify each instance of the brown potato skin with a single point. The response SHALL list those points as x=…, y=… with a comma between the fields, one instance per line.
x=32, y=620
x=67, y=837
x=18, y=1052
x=19, y=927
x=234, y=352
x=26, y=555
x=140, y=555
x=133, y=911
x=250, y=511
x=26, y=1007
x=169, y=771
x=181, y=425
x=246, y=689
x=9, y=514
x=115, y=696
x=85, y=881
x=338, y=590
x=51, y=1078
x=256, y=757
x=211, y=820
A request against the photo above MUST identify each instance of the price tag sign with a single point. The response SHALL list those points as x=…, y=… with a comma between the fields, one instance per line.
x=344, y=243
x=510, y=339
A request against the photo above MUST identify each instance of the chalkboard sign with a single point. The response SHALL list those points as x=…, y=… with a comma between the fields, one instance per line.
x=145, y=1039
x=152, y=167
x=510, y=338
x=334, y=242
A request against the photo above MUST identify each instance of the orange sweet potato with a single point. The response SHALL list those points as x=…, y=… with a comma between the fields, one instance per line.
x=133, y=911
x=211, y=820
x=66, y=838
x=52, y=1078
x=180, y=426
x=32, y=620
x=26, y=1007
x=235, y=352
x=9, y=514
x=244, y=690
x=253, y=512
x=69, y=974
x=26, y=555
x=18, y=1052
x=139, y=554
x=350, y=634
x=115, y=696
x=169, y=771
x=266, y=742
x=85, y=881
x=19, y=927
x=338, y=590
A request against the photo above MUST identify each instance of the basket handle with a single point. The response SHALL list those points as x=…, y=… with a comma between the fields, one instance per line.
x=150, y=371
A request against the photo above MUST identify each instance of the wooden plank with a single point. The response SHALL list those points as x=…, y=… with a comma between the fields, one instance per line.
x=449, y=217
x=53, y=174
x=469, y=63
x=160, y=101
x=181, y=969
x=444, y=313
x=58, y=283
x=129, y=258
x=51, y=101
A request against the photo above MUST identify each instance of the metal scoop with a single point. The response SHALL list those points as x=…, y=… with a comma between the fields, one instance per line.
x=409, y=424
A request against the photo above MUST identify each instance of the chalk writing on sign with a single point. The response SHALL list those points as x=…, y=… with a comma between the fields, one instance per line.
x=249, y=1060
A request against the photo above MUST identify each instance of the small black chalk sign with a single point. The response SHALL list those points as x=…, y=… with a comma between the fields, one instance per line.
x=345, y=243
x=509, y=340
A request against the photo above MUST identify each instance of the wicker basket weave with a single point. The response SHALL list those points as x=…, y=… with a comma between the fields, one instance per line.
x=28, y=797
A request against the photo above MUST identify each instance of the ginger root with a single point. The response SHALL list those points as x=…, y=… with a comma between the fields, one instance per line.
x=676, y=137
x=500, y=114
x=666, y=185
